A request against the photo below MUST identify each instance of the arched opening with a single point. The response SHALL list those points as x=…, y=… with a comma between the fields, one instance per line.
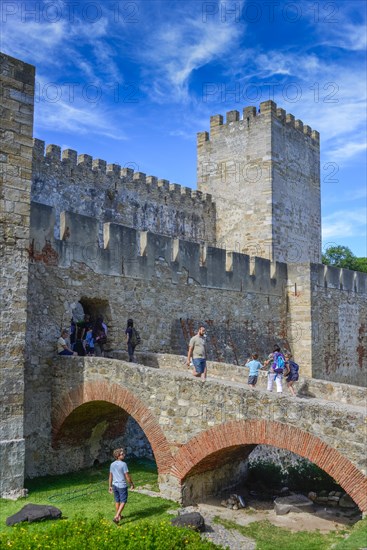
x=99, y=307
x=91, y=432
x=96, y=307
x=96, y=417
x=222, y=451
x=217, y=475
x=229, y=478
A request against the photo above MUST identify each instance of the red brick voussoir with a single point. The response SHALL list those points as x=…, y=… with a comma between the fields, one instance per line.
x=126, y=400
x=236, y=434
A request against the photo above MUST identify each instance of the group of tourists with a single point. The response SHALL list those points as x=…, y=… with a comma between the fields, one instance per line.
x=89, y=338
x=279, y=365
x=83, y=337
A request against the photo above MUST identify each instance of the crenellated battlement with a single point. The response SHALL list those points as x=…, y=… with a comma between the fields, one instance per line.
x=69, y=163
x=250, y=116
x=331, y=277
x=128, y=252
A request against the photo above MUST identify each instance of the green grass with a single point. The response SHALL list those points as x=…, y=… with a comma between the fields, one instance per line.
x=357, y=538
x=100, y=534
x=270, y=537
x=85, y=493
x=88, y=509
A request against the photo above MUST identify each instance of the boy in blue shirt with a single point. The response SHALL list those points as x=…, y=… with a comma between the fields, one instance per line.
x=117, y=483
x=254, y=365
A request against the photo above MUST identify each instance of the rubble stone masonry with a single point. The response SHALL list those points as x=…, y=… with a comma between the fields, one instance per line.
x=16, y=96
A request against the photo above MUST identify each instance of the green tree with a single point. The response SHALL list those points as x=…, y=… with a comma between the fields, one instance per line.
x=342, y=256
x=361, y=264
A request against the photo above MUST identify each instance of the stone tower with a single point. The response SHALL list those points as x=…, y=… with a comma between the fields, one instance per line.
x=17, y=104
x=263, y=172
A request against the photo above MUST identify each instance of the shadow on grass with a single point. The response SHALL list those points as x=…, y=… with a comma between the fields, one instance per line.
x=147, y=512
x=143, y=470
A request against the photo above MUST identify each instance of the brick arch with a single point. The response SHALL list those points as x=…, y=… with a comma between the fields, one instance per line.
x=126, y=400
x=233, y=434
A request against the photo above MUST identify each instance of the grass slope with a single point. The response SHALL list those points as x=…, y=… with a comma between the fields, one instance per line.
x=88, y=509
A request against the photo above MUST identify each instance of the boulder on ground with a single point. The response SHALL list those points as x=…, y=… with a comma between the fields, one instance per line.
x=34, y=512
x=347, y=502
x=292, y=503
x=193, y=520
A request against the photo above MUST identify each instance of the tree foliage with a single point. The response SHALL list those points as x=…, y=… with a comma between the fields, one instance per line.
x=342, y=256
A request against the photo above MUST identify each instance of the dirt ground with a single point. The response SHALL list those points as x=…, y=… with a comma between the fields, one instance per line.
x=324, y=519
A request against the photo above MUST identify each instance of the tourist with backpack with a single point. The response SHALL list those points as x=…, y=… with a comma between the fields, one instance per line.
x=99, y=335
x=132, y=339
x=276, y=364
x=292, y=372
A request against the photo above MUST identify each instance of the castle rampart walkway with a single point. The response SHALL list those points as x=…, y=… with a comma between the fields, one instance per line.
x=194, y=427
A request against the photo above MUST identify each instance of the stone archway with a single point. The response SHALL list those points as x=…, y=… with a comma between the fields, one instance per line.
x=96, y=307
x=115, y=395
x=201, y=452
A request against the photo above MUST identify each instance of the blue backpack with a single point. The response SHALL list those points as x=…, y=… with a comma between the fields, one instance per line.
x=293, y=367
x=279, y=363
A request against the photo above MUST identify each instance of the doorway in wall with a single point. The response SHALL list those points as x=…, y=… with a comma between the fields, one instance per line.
x=98, y=307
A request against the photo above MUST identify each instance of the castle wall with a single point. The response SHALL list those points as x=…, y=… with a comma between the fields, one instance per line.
x=326, y=312
x=168, y=286
x=17, y=100
x=263, y=169
x=77, y=183
x=193, y=283
x=339, y=330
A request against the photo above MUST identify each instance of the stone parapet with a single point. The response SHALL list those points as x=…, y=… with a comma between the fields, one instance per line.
x=306, y=387
x=131, y=253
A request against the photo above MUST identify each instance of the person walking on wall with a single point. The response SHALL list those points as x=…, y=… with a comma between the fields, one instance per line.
x=79, y=342
x=132, y=339
x=99, y=336
x=254, y=365
x=291, y=372
x=117, y=482
x=276, y=364
x=62, y=346
x=197, y=351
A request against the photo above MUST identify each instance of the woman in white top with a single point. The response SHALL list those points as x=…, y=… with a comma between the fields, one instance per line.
x=62, y=347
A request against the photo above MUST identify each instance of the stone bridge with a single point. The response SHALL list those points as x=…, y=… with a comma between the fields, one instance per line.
x=202, y=433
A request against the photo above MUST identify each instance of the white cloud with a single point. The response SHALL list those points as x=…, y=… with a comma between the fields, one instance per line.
x=345, y=223
x=327, y=95
x=345, y=150
x=25, y=39
x=180, y=46
x=60, y=44
x=348, y=36
x=78, y=116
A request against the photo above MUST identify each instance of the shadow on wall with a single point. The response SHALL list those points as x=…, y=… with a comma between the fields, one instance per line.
x=229, y=341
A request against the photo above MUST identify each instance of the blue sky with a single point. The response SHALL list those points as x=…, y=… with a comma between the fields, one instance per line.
x=131, y=82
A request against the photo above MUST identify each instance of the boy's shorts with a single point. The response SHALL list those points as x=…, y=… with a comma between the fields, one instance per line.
x=120, y=493
x=252, y=380
x=199, y=365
